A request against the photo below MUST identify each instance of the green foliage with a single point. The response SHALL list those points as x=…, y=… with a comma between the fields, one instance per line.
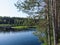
x=30, y=7
x=35, y=9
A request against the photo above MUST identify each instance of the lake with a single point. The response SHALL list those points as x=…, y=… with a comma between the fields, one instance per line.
x=19, y=38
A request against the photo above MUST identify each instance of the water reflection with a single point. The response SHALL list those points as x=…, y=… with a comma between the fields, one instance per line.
x=19, y=38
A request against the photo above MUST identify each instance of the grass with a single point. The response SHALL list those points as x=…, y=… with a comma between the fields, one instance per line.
x=16, y=28
x=20, y=27
x=5, y=25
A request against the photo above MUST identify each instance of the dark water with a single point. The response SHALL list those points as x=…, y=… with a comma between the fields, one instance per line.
x=19, y=38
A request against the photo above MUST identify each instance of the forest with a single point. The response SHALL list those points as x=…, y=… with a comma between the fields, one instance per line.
x=44, y=14
x=16, y=21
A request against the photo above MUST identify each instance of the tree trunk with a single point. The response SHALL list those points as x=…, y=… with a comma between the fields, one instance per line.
x=49, y=21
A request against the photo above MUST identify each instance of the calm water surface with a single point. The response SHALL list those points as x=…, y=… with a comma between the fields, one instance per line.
x=19, y=38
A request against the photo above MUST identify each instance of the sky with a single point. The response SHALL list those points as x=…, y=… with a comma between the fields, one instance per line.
x=7, y=8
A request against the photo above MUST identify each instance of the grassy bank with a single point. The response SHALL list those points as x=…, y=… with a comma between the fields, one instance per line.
x=8, y=27
x=5, y=25
x=20, y=27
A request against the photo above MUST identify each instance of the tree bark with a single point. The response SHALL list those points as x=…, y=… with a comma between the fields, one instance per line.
x=48, y=21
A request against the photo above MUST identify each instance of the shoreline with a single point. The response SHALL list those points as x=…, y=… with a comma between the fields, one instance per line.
x=15, y=28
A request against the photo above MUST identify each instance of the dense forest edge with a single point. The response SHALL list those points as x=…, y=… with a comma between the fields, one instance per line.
x=16, y=23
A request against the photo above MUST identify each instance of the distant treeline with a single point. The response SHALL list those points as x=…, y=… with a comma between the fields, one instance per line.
x=17, y=21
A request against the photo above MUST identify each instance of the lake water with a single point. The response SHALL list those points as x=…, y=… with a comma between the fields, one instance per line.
x=19, y=38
